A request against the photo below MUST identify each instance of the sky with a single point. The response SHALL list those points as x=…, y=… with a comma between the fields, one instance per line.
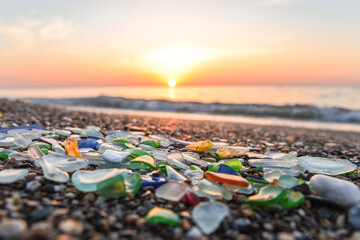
x=204, y=42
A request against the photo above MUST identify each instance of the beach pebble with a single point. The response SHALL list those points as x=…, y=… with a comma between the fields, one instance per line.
x=194, y=233
x=354, y=216
x=33, y=186
x=12, y=228
x=341, y=192
x=71, y=227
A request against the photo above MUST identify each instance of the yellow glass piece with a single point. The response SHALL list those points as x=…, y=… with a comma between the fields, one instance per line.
x=200, y=146
x=71, y=147
x=225, y=153
x=1, y=114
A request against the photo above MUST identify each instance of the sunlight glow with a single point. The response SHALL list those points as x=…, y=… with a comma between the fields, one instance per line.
x=176, y=61
x=172, y=83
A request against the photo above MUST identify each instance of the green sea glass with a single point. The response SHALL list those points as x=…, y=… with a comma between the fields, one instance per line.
x=4, y=153
x=292, y=199
x=133, y=183
x=235, y=164
x=145, y=160
x=288, y=181
x=134, y=153
x=267, y=196
x=113, y=187
x=121, y=140
x=164, y=216
x=151, y=143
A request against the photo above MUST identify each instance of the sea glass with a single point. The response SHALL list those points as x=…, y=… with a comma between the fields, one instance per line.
x=292, y=199
x=87, y=143
x=12, y=175
x=115, y=156
x=7, y=142
x=273, y=175
x=281, y=156
x=86, y=181
x=164, y=216
x=176, y=158
x=227, y=178
x=113, y=187
x=146, y=160
x=21, y=140
x=288, y=181
x=172, y=174
x=273, y=163
x=71, y=147
x=172, y=191
x=209, y=215
x=195, y=160
x=328, y=166
x=151, y=143
x=223, y=168
x=4, y=153
x=194, y=175
x=35, y=151
x=225, y=153
x=92, y=131
x=267, y=196
x=133, y=183
x=63, y=133
x=214, y=189
x=66, y=163
x=192, y=198
x=134, y=153
x=200, y=146
x=51, y=172
x=58, y=148
x=111, y=146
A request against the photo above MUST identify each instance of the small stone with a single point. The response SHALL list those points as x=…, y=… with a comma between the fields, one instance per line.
x=11, y=228
x=339, y=191
x=354, y=216
x=194, y=233
x=33, y=186
x=71, y=227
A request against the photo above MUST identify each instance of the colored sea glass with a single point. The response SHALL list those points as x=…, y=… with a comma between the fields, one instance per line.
x=267, y=196
x=164, y=216
x=113, y=187
x=225, y=153
x=227, y=178
x=71, y=147
x=200, y=146
x=146, y=160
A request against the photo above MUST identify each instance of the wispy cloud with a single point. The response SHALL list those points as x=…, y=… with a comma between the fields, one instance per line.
x=27, y=34
x=58, y=29
x=276, y=2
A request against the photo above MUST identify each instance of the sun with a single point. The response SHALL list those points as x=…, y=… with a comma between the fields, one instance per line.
x=172, y=83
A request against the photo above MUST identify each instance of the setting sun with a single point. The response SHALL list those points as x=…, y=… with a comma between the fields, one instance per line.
x=172, y=83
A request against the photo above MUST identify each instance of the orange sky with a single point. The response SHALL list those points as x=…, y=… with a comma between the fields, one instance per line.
x=203, y=43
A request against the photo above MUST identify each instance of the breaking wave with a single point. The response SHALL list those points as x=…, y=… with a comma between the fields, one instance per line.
x=298, y=112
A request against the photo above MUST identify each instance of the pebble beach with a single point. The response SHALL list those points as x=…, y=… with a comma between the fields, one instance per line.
x=38, y=208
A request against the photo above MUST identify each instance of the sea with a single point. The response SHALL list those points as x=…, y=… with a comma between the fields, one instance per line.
x=317, y=107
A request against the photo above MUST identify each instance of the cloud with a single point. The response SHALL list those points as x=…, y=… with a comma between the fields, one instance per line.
x=276, y=2
x=58, y=29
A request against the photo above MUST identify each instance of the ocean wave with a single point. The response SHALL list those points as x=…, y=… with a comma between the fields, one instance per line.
x=298, y=112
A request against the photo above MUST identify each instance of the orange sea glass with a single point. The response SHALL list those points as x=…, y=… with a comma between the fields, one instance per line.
x=200, y=146
x=71, y=147
x=227, y=178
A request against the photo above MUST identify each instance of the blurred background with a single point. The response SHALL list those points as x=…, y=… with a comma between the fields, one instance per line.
x=284, y=62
